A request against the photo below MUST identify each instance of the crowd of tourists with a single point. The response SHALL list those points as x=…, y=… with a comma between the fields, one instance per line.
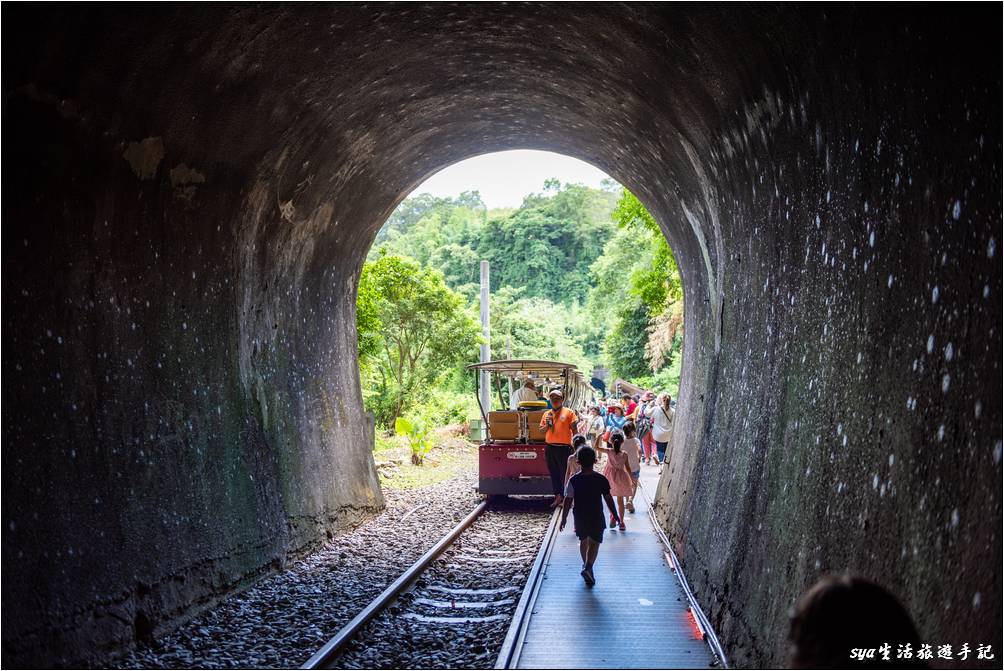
x=624, y=433
x=651, y=417
x=637, y=428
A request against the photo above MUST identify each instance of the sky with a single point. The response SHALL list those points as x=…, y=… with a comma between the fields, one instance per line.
x=504, y=178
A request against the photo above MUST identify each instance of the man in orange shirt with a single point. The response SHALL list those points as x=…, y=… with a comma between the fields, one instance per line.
x=559, y=425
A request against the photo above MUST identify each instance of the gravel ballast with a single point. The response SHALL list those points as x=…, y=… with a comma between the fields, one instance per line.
x=284, y=618
x=458, y=612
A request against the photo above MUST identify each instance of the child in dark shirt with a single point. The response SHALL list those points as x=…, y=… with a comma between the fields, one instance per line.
x=588, y=489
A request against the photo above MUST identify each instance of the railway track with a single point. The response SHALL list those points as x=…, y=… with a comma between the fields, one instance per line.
x=467, y=601
x=462, y=604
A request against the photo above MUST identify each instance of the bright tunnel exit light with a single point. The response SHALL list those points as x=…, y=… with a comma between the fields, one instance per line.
x=504, y=178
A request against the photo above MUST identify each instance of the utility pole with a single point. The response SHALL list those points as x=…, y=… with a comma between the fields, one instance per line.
x=484, y=386
x=508, y=355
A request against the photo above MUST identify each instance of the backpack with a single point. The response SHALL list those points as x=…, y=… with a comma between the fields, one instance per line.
x=644, y=426
x=643, y=423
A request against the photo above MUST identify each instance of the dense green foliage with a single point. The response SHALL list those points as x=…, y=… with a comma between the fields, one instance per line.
x=421, y=328
x=548, y=244
x=577, y=274
x=637, y=279
x=625, y=342
x=535, y=328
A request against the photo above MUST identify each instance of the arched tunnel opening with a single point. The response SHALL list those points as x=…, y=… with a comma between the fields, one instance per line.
x=189, y=196
x=578, y=271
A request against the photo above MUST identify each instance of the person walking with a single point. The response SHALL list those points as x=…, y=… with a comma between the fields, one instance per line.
x=573, y=463
x=588, y=490
x=637, y=405
x=596, y=427
x=644, y=424
x=559, y=425
x=618, y=474
x=629, y=405
x=614, y=425
x=632, y=448
x=615, y=420
x=662, y=425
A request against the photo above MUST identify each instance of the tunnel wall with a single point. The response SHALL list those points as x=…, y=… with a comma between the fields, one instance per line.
x=178, y=418
x=244, y=157
x=852, y=414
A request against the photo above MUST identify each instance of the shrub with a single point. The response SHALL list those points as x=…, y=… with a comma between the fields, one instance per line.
x=417, y=433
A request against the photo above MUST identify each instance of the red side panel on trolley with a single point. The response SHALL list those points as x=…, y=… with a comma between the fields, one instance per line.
x=513, y=469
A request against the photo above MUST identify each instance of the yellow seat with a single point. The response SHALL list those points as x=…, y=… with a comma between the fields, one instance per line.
x=535, y=434
x=532, y=405
x=504, y=425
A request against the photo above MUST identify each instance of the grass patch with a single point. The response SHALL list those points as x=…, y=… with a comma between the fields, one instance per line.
x=451, y=455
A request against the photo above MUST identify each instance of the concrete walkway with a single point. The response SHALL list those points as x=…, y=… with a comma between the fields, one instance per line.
x=636, y=615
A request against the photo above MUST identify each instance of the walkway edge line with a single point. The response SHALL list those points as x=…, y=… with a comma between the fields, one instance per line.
x=702, y=620
x=513, y=643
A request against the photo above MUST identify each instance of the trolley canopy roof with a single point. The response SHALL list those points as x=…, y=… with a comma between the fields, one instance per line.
x=536, y=367
x=626, y=387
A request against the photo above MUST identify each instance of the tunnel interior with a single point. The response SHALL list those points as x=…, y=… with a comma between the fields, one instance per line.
x=190, y=195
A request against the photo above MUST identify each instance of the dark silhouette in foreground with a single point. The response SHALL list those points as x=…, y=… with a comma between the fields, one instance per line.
x=848, y=622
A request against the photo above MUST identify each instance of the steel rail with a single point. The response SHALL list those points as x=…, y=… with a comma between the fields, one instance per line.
x=512, y=645
x=330, y=650
x=711, y=638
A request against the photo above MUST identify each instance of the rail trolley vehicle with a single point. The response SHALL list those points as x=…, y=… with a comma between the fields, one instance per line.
x=511, y=459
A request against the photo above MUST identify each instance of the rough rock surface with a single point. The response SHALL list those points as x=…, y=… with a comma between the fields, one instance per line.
x=189, y=194
x=283, y=619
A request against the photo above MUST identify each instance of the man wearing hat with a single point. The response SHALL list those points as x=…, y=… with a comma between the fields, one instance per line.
x=559, y=425
x=528, y=392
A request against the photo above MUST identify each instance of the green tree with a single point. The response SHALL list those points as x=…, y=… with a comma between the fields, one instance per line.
x=368, y=326
x=407, y=214
x=611, y=272
x=658, y=282
x=532, y=327
x=460, y=265
x=548, y=244
x=625, y=343
x=578, y=274
x=421, y=225
x=423, y=329
x=636, y=282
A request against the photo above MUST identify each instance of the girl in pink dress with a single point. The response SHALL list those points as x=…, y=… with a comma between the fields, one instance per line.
x=572, y=466
x=618, y=472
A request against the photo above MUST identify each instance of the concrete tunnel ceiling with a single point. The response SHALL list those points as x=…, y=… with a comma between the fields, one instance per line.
x=190, y=193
